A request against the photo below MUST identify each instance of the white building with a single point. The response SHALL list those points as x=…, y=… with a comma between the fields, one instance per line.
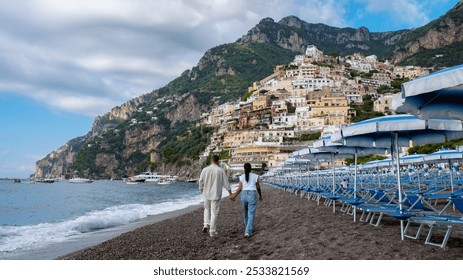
x=305, y=122
x=312, y=83
x=383, y=104
x=314, y=52
x=283, y=120
x=297, y=101
x=360, y=66
x=354, y=97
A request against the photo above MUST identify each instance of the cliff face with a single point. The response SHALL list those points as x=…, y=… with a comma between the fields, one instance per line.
x=60, y=162
x=437, y=34
x=120, y=140
x=188, y=109
x=57, y=162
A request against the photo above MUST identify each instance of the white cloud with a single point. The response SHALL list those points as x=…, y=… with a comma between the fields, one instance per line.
x=114, y=50
x=85, y=104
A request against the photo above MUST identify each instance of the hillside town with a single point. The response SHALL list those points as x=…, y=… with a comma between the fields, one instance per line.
x=309, y=98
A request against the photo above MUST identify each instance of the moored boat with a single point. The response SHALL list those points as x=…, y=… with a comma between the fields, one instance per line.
x=79, y=180
x=146, y=177
x=44, y=180
x=152, y=177
x=164, y=181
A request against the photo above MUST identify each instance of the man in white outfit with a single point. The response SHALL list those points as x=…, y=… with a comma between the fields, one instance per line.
x=211, y=182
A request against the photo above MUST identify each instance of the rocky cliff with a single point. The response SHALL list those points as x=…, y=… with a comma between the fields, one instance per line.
x=295, y=34
x=442, y=32
x=121, y=142
x=58, y=162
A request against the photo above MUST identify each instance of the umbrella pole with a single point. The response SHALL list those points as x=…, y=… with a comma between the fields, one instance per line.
x=318, y=183
x=418, y=174
x=451, y=175
x=355, y=184
x=379, y=177
x=451, y=180
x=334, y=187
x=399, y=186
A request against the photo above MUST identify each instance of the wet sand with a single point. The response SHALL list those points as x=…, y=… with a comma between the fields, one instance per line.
x=286, y=227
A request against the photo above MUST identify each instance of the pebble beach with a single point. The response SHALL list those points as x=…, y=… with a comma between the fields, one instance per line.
x=287, y=227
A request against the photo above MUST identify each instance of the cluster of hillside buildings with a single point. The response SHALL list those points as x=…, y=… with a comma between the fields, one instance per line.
x=314, y=93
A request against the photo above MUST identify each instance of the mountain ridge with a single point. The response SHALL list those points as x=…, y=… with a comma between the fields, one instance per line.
x=141, y=125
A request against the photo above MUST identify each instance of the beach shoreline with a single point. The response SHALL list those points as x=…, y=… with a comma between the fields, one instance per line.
x=90, y=239
x=286, y=227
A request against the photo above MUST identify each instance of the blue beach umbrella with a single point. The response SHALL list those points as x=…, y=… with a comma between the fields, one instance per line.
x=415, y=158
x=377, y=163
x=435, y=96
x=398, y=131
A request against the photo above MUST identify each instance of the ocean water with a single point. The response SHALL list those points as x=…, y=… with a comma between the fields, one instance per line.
x=45, y=221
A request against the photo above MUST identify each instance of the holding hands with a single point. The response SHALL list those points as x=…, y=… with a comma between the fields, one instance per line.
x=233, y=197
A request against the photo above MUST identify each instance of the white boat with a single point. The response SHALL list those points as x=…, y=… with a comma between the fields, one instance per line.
x=146, y=177
x=44, y=180
x=79, y=180
x=152, y=177
x=131, y=183
x=164, y=181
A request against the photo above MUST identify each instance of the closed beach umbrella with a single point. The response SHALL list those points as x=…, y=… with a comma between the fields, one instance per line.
x=435, y=96
x=398, y=131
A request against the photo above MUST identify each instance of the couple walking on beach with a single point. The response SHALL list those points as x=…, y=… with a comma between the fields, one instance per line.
x=211, y=182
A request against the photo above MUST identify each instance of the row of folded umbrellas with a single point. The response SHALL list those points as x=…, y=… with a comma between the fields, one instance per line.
x=450, y=157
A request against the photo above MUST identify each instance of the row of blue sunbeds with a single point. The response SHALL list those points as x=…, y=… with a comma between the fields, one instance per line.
x=432, y=205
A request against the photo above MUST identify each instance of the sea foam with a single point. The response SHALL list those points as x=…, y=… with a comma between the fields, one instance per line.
x=23, y=238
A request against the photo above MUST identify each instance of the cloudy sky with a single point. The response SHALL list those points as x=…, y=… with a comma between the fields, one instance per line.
x=64, y=62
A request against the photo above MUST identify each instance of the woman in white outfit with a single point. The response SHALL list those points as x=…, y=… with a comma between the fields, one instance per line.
x=249, y=187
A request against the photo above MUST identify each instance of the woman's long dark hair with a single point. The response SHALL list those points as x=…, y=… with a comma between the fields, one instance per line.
x=247, y=170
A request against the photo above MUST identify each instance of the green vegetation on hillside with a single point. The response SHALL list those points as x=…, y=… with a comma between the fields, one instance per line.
x=448, y=56
x=228, y=70
x=364, y=159
x=365, y=111
x=431, y=148
x=111, y=144
x=310, y=136
x=186, y=142
x=304, y=137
